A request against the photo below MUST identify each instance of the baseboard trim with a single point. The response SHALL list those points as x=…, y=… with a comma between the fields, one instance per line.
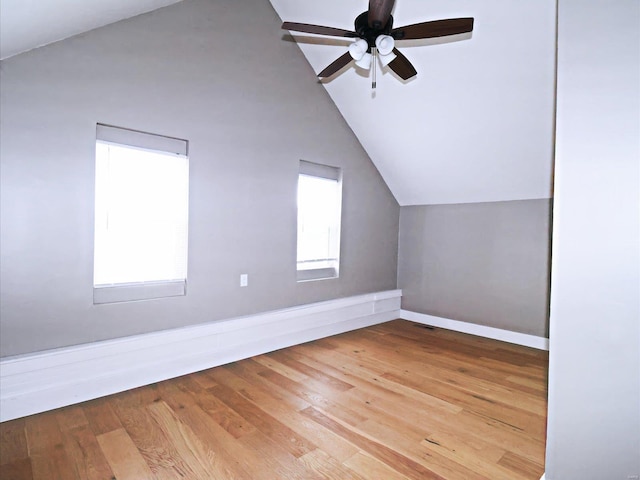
x=51, y=379
x=524, y=339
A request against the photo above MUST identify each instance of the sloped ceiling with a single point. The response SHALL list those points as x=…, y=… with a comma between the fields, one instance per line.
x=27, y=24
x=475, y=125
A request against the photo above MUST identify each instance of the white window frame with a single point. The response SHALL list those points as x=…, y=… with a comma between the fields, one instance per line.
x=329, y=173
x=124, y=292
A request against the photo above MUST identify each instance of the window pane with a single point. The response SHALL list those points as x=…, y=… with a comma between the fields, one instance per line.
x=141, y=215
x=318, y=225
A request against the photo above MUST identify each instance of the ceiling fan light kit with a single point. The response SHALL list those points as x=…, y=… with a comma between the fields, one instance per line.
x=358, y=49
x=364, y=62
x=376, y=37
x=385, y=44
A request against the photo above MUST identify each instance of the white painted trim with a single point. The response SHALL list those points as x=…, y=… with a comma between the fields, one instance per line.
x=138, y=291
x=524, y=339
x=542, y=478
x=51, y=379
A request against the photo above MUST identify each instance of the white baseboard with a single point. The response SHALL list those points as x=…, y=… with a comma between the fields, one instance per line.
x=51, y=379
x=524, y=339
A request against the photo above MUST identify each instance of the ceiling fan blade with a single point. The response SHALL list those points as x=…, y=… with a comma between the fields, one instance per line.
x=335, y=66
x=402, y=66
x=437, y=28
x=317, y=29
x=379, y=12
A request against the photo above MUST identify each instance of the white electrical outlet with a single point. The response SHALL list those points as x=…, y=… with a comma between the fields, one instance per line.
x=244, y=280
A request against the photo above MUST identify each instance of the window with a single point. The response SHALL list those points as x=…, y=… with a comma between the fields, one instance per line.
x=319, y=206
x=141, y=216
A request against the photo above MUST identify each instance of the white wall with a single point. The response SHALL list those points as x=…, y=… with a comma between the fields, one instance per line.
x=216, y=73
x=594, y=373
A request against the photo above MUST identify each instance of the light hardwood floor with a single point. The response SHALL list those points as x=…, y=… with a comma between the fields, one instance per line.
x=390, y=402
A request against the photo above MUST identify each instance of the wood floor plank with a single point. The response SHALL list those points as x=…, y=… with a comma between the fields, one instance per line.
x=203, y=379
x=232, y=460
x=369, y=467
x=273, y=365
x=42, y=432
x=17, y=470
x=471, y=446
x=49, y=459
x=158, y=451
x=520, y=465
x=253, y=372
x=295, y=444
x=328, y=467
x=276, y=459
x=313, y=373
x=258, y=455
x=71, y=417
x=449, y=429
x=373, y=382
x=13, y=441
x=53, y=463
x=473, y=460
x=530, y=385
x=313, y=397
x=376, y=449
x=101, y=416
x=200, y=459
x=326, y=441
x=223, y=414
x=123, y=456
x=411, y=446
x=396, y=401
x=188, y=391
x=85, y=453
x=499, y=433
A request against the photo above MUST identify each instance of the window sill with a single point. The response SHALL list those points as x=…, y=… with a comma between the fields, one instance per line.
x=317, y=274
x=130, y=292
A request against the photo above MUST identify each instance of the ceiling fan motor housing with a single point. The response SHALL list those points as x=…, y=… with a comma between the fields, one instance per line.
x=368, y=33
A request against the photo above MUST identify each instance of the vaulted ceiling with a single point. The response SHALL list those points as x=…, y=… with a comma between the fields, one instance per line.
x=475, y=125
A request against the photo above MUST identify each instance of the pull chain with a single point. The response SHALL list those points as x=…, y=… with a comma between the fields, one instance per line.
x=374, y=55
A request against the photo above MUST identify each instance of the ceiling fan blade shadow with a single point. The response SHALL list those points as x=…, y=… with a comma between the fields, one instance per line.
x=379, y=12
x=436, y=28
x=318, y=30
x=335, y=66
x=401, y=66
x=319, y=40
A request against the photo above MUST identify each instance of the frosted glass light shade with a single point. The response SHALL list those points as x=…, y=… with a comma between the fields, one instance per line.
x=386, y=59
x=365, y=61
x=385, y=44
x=358, y=49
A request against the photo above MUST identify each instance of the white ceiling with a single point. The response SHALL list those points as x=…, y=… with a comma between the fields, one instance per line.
x=475, y=125
x=27, y=24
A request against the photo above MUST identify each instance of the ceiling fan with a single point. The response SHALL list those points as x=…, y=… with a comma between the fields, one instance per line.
x=376, y=38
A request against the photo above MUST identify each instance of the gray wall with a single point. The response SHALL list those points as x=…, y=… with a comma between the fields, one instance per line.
x=483, y=263
x=594, y=373
x=215, y=72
